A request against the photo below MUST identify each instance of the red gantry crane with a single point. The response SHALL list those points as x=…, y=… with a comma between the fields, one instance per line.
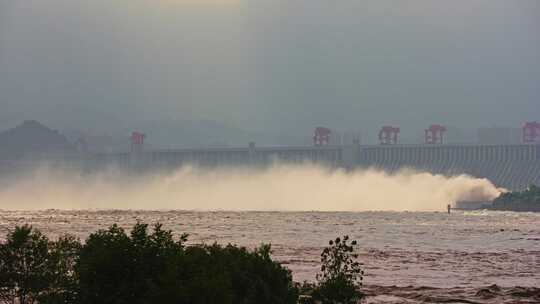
x=434, y=134
x=321, y=136
x=388, y=135
x=137, y=141
x=531, y=132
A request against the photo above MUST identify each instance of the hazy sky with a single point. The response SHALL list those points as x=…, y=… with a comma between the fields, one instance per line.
x=268, y=66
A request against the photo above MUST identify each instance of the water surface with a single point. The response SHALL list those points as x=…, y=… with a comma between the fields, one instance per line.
x=426, y=254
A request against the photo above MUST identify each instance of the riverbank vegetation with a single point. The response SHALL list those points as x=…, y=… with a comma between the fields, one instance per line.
x=152, y=266
x=527, y=200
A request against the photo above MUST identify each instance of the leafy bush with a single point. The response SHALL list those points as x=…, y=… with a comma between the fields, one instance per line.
x=116, y=268
x=230, y=274
x=154, y=268
x=34, y=269
x=340, y=278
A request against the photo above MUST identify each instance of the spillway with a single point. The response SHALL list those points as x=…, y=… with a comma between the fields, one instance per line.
x=510, y=166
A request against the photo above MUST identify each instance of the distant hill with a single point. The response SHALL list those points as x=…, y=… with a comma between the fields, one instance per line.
x=32, y=138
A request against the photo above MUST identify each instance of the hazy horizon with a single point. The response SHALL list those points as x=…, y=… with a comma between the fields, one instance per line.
x=206, y=71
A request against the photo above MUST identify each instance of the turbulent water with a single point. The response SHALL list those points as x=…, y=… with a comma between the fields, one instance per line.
x=464, y=257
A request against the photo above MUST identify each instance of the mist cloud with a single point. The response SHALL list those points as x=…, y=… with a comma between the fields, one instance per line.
x=277, y=188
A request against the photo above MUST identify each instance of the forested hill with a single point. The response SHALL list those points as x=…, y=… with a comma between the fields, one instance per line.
x=31, y=137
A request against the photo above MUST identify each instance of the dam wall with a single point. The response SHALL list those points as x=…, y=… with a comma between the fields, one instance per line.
x=250, y=156
x=514, y=167
x=510, y=166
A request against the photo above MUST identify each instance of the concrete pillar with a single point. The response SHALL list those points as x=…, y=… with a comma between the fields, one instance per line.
x=350, y=156
x=252, y=153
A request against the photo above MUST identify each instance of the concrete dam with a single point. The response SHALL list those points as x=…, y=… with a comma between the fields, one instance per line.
x=514, y=167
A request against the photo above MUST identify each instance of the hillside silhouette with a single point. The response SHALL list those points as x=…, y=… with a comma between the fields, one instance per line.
x=32, y=138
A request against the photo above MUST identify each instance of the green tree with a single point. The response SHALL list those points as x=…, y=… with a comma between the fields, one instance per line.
x=62, y=280
x=340, y=278
x=242, y=276
x=23, y=265
x=157, y=256
x=145, y=267
x=105, y=268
